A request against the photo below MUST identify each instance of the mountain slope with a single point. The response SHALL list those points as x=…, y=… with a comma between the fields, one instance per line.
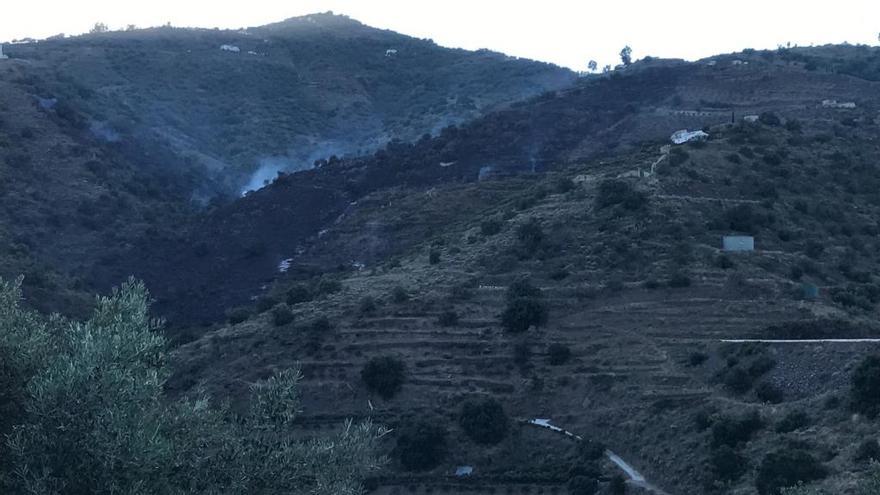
x=287, y=93
x=598, y=117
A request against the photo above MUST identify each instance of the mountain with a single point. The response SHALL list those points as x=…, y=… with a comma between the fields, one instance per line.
x=600, y=116
x=107, y=139
x=621, y=246
x=279, y=96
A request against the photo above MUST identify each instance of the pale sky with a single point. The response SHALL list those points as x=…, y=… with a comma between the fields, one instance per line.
x=567, y=33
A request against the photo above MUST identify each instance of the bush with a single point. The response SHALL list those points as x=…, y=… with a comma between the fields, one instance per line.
x=448, y=318
x=434, y=257
x=491, y=226
x=583, y=485
x=868, y=450
x=618, y=192
x=696, y=358
x=727, y=464
x=384, y=375
x=320, y=325
x=523, y=313
x=367, y=306
x=524, y=307
x=617, y=485
x=734, y=431
x=115, y=431
x=744, y=218
x=529, y=236
x=237, y=315
x=522, y=354
x=785, y=468
x=399, y=295
x=769, y=118
x=792, y=421
x=768, y=392
x=484, y=421
x=299, y=293
x=421, y=445
x=679, y=280
x=558, y=354
x=865, y=387
x=282, y=315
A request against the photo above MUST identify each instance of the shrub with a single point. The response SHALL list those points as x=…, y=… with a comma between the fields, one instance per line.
x=367, y=306
x=558, y=354
x=617, y=485
x=282, y=315
x=792, y=421
x=484, y=421
x=868, y=450
x=434, y=257
x=769, y=118
x=421, y=445
x=734, y=431
x=583, y=485
x=115, y=431
x=738, y=380
x=524, y=307
x=744, y=218
x=697, y=358
x=724, y=262
x=785, y=468
x=299, y=293
x=491, y=226
x=679, y=280
x=865, y=387
x=618, y=192
x=727, y=464
x=384, y=375
x=237, y=315
x=522, y=354
x=768, y=392
x=529, y=236
x=523, y=313
x=399, y=294
x=320, y=325
x=448, y=318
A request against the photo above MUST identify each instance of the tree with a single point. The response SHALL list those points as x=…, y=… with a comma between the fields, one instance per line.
x=524, y=307
x=626, y=55
x=484, y=421
x=421, y=445
x=592, y=65
x=866, y=386
x=99, y=28
x=384, y=375
x=787, y=467
x=92, y=417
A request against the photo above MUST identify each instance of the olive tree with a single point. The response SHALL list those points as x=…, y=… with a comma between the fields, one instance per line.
x=90, y=416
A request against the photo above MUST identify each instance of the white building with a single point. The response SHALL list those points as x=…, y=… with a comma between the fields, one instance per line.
x=390, y=52
x=230, y=48
x=738, y=243
x=684, y=135
x=1, y=53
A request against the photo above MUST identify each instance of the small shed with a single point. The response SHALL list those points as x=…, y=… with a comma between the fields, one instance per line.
x=462, y=471
x=738, y=243
x=2, y=57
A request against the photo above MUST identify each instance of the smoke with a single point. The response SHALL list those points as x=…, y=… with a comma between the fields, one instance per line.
x=266, y=173
x=294, y=161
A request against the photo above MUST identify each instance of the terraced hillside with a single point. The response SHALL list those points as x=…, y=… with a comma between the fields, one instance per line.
x=638, y=292
x=600, y=117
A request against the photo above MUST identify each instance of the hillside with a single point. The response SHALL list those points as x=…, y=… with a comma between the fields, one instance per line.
x=638, y=293
x=603, y=116
x=107, y=140
x=281, y=95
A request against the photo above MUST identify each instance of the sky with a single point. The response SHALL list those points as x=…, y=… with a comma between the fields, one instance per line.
x=567, y=33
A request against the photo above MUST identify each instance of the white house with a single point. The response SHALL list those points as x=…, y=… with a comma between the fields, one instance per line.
x=1, y=53
x=390, y=52
x=230, y=48
x=684, y=135
x=836, y=104
x=750, y=118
